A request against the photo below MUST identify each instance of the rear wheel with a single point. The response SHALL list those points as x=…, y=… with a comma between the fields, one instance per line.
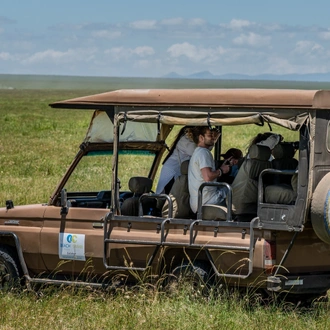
x=193, y=277
x=9, y=274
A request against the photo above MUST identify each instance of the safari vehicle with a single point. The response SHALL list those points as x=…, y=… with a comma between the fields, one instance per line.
x=103, y=217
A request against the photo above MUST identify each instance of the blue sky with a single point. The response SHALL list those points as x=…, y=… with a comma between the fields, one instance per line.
x=151, y=38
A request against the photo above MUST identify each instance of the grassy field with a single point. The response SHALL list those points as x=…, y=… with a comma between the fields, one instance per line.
x=37, y=144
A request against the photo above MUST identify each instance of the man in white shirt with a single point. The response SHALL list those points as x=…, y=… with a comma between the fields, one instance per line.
x=202, y=169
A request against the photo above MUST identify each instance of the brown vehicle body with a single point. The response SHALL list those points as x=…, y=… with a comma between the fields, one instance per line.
x=281, y=248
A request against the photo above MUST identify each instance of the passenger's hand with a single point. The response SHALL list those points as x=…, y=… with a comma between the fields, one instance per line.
x=225, y=167
x=229, y=161
x=216, y=134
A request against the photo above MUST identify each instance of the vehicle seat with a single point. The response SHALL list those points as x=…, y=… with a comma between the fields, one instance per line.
x=214, y=212
x=283, y=160
x=283, y=190
x=245, y=184
x=282, y=193
x=179, y=194
x=138, y=185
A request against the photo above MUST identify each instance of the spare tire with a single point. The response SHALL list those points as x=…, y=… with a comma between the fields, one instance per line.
x=320, y=209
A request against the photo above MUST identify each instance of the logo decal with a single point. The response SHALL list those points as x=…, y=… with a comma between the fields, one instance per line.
x=71, y=246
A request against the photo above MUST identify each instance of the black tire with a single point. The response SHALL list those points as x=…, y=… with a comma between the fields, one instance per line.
x=9, y=274
x=194, y=277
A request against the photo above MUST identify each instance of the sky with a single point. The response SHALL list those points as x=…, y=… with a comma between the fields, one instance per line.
x=151, y=38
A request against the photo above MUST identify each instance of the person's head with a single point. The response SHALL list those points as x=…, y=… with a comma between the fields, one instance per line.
x=205, y=137
x=260, y=137
x=235, y=155
x=268, y=139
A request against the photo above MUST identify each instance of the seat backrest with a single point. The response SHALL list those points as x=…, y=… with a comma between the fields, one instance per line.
x=180, y=195
x=138, y=185
x=283, y=160
x=245, y=184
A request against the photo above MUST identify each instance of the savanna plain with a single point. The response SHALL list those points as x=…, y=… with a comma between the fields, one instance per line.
x=37, y=144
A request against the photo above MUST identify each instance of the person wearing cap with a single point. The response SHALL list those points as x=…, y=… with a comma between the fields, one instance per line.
x=202, y=169
x=233, y=157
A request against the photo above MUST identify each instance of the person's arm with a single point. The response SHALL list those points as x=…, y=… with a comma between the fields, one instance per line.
x=209, y=175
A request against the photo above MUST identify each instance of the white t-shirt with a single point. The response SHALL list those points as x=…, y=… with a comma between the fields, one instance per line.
x=201, y=158
x=172, y=167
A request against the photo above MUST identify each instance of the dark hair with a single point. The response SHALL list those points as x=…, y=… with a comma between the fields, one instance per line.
x=258, y=138
x=261, y=137
x=232, y=152
x=197, y=131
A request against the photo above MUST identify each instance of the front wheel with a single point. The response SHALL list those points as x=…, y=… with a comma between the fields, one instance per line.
x=9, y=274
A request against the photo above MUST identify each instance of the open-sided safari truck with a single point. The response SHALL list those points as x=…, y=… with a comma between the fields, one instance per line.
x=103, y=218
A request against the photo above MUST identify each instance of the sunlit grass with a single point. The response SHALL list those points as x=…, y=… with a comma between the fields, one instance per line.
x=144, y=308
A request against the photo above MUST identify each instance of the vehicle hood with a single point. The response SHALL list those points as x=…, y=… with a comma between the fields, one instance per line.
x=35, y=211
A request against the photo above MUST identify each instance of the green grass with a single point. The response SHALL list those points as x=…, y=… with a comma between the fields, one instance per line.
x=37, y=144
x=144, y=308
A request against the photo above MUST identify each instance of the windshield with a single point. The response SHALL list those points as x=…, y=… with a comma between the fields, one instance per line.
x=94, y=171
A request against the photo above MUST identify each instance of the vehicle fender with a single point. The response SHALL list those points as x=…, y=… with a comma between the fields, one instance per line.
x=11, y=240
x=320, y=209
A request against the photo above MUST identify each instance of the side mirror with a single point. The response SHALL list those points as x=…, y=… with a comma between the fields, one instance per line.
x=64, y=203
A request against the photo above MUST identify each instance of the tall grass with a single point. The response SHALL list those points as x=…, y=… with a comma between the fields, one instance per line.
x=144, y=308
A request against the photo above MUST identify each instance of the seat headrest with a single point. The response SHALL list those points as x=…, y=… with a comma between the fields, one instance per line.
x=259, y=152
x=283, y=151
x=139, y=184
x=184, y=167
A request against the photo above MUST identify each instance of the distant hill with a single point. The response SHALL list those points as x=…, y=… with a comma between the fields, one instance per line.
x=321, y=77
x=173, y=80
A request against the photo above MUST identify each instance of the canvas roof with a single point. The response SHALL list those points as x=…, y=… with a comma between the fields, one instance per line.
x=215, y=107
x=201, y=98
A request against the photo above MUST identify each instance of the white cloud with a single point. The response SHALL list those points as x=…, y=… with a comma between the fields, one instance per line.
x=172, y=21
x=143, y=25
x=105, y=34
x=51, y=55
x=195, y=54
x=237, y=24
x=252, y=39
x=307, y=47
x=279, y=65
x=196, y=22
x=120, y=53
x=325, y=35
x=143, y=51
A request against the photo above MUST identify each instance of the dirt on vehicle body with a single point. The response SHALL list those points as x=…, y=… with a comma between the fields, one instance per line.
x=282, y=245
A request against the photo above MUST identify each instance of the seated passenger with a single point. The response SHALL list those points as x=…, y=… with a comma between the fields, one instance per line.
x=202, y=169
x=233, y=157
x=267, y=139
x=180, y=151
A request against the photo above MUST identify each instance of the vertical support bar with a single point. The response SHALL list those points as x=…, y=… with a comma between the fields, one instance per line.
x=115, y=189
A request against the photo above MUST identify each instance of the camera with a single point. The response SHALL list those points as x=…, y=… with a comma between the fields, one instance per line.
x=295, y=144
